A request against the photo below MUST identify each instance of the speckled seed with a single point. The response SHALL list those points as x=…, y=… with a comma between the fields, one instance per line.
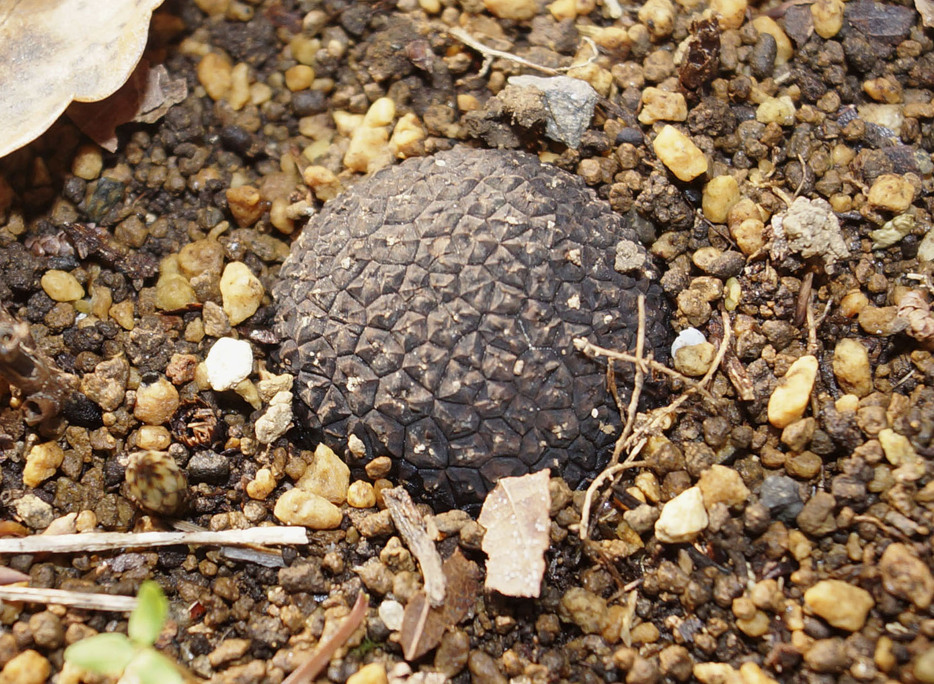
x=42, y=462
x=156, y=402
x=851, y=367
x=891, y=192
x=156, y=483
x=298, y=507
x=241, y=291
x=840, y=603
x=61, y=286
x=679, y=153
x=790, y=398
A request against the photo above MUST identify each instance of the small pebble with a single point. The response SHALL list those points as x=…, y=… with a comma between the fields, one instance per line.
x=28, y=667
x=891, y=192
x=783, y=45
x=61, y=286
x=687, y=338
x=360, y=494
x=851, y=367
x=174, y=292
x=245, y=204
x=276, y=420
x=827, y=16
x=682, y=518
x=242, y=292
x=261, y=485
x=780, y=110
x=906, y=576
x=661, y=105
x=327, y=476
x=156, y=402
x=793, y=393
x=679, y=154
x=215, y=74
x=154, y=437
x=391, y=613
x=720, y=484
x=87, y=162
x=695, y=359
x=518, y=10
x=378, y=467
x=840, y=603
x=374, y=673
x=923, y=666
x=720, y=195
x=299, y=77
x=585, y=609
x=33, y=511
x=900, y=453
x=228, y=363
x=298, y=507
x=730, y=13
x=42, y=462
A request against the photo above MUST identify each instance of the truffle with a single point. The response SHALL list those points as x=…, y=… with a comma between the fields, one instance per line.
x=431, y=309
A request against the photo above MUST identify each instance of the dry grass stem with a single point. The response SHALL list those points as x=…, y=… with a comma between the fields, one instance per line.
x=309, y=670
x=72, y=599
x=109, y=541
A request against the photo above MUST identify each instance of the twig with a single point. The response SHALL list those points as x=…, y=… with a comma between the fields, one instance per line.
x=72, y=599
x=489, y=53
x=105, y=541
x=411, y=527
x=307, y=671
x=595, y=485
x=590, y=349
x=637, y=385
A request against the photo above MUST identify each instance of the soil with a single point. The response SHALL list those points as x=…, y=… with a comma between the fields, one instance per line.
x=775, y=523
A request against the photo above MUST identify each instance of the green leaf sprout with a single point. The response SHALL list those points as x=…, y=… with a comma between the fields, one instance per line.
x=132, y=657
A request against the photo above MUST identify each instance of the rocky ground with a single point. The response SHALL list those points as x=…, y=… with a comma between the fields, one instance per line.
x=776, y=159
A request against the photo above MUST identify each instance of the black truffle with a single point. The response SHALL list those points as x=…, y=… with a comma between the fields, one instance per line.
x=431, y=310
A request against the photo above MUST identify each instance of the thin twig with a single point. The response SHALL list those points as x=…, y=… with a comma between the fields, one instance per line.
x=595, y=485
x=489, y=53
x=638, y=382
x=106, y=541
x=309, y=670
x=72, y=599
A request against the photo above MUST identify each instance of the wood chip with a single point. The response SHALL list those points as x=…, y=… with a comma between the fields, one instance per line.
x=412, y=527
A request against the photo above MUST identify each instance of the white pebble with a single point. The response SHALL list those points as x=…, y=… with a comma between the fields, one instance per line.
x=391, y=613
x=682, y=518
x=687, y=338
x=228, y=363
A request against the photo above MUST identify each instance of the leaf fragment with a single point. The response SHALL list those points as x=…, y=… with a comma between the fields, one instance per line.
x=106, y=654
x=515, y=515
x=422, y=625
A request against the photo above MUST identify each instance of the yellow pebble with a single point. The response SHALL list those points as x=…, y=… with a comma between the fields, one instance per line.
x=785, y=49
x=891, y=192
x=61, y=286
x=299, y=77
x=827, y=16
x=679, y=153
x=215, y=74
x=720, y=194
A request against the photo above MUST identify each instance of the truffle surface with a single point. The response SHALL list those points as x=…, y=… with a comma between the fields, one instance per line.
x=431, y=309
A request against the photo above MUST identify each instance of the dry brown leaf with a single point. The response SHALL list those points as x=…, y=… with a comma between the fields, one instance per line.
x=915, y=309
x=926, y=10
x=145, y=97
x=515, y=515
x=53, y=52
x=422, y=625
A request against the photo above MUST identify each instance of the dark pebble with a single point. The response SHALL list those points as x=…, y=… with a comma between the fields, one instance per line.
x=309, y=102
x=762, y=59
x=81, y=411
x=305, y=576
x=206, y=466
x=83, y=339
x=780, y=495
x=236, y=139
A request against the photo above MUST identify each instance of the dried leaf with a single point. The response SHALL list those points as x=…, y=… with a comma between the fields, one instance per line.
x=145, y=97
x=915, y=309
x=53, y=52
x=926, y=10
x=422, y=625
x=515, y=515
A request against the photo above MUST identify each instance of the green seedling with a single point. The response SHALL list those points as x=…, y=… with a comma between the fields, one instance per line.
x=133, y=658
